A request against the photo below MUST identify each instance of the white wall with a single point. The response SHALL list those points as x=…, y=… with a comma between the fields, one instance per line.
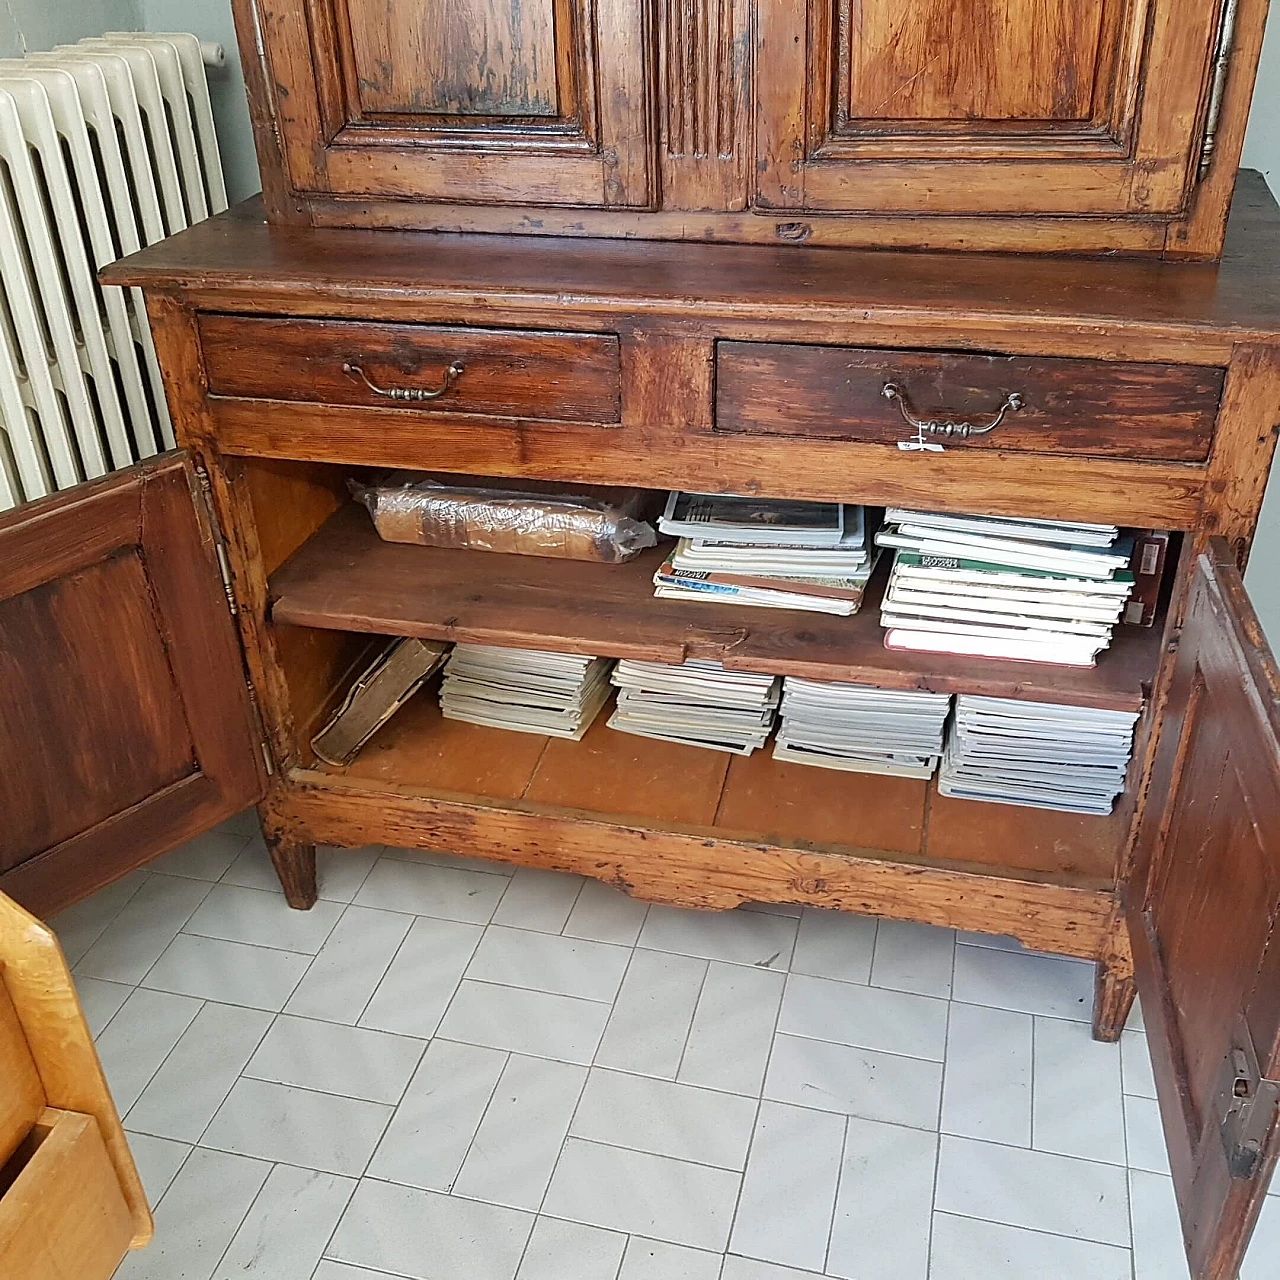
x=40, y=24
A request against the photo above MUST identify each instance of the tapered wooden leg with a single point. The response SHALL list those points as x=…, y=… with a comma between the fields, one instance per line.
x=295, y=865
x=1113, y=984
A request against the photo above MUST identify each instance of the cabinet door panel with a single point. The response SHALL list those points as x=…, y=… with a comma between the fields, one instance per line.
x=477, y=58
x=125, y=724
x=1204, y=922
x=1090, y=106
x=494, y=101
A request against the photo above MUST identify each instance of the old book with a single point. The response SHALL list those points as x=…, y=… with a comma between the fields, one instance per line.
x=384, y=687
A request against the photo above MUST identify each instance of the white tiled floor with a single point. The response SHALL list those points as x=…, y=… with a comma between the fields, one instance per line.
x=449, y=1071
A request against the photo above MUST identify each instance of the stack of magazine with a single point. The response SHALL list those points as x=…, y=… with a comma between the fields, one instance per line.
x=698, y=703
x=773, y=554
x=861, y=729
x=1040, y=754
x=524, y=689
x=1030, y=590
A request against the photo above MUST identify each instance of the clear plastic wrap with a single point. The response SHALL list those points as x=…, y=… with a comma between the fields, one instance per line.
x=531, y=518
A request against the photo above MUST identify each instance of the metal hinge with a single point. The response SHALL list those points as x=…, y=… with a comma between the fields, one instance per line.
x=224, y=565
x=1247, y=1104
x=1221, y=65
x=224, y=570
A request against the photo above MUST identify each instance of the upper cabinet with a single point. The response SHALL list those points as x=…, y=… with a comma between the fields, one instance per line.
x=980, y=106
x=1047, y=125
x=533, y=102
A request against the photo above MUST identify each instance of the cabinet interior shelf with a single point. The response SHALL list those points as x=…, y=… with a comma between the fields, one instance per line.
x=345, y=578
x=659, y=786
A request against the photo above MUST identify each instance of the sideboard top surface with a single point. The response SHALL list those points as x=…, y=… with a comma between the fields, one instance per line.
x=258, y=266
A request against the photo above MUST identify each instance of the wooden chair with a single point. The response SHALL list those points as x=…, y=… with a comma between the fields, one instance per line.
x=71, y=1201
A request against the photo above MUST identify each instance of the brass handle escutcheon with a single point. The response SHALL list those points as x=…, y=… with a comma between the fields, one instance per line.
x=949, y=426
x=412, y=394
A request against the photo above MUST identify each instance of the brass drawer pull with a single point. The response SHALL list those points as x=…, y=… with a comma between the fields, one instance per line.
x=413, y=394
x=948, y=426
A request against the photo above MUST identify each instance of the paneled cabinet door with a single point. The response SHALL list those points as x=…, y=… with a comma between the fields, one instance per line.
x=526, y=102
x=125, y=721
x=1082, y=107
x=1204, y=911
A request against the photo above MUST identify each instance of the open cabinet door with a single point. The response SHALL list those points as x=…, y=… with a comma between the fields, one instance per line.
x=1205, y=935
x=125, y=721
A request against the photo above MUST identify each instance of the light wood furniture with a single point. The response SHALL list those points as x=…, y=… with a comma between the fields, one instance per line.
x=1044, y=125
x=132, y=611
x=71, y=1202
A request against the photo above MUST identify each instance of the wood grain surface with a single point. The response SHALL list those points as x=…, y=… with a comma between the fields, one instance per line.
x=512, y=374
x=346, y=578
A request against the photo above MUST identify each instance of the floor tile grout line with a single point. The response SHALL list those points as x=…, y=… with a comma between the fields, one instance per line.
x=755, y=1123
x=497, y=1080
x=1037, y=1231
x=693, y=1018
x=236, y=1081
x=395, y=955
x=560, y=933
x=835, y=1199
x=937, y=1150
x=144, y=876
x=861, y=1048
x=346, y=1204
x=243, y=1219
x=167, y=1056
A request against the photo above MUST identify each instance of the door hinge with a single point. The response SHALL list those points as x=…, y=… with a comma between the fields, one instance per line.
x=1218, y=88
x=1247, y=1104
x=219, y=547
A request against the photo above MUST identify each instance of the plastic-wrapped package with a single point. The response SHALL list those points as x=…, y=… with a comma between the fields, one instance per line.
x=521, y=517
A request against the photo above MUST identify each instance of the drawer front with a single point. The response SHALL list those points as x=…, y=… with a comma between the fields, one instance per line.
x=501, y=373
x=1151, y=411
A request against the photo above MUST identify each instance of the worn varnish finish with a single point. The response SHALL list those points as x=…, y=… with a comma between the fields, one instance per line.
x=543, y=101
x=121, y=679
x=510, y=374
x=1069, y=406
x=1203, y=928
x=696, y=867
x=774, y=122
x=492, y=58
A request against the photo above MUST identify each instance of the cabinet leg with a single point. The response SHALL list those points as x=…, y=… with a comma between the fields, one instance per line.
x=295, y=865
x=1113, y=991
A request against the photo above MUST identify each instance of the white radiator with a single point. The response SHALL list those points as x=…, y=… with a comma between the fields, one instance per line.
x=105, y=146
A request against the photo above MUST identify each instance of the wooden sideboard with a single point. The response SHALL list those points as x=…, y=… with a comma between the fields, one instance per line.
x=1040, y=125
x=170, y=638
x=1153, y=400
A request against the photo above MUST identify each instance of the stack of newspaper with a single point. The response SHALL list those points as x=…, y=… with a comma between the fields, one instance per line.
x=860, y=728
x=774, y=554
x=1039, y=754
x=525, y=689
x=698, y=703
x=1031, y=590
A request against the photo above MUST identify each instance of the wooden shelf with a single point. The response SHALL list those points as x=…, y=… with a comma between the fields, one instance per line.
x=345, y=578
x=665, y=787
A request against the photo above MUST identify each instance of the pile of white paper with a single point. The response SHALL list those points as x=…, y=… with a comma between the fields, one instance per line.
x=1040, y=754
x=524, y=689
x=860, y=728
x=698, y=703
x=1031, y=590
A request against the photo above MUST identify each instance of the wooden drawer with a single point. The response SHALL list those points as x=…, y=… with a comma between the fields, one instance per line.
x=64, y=1213
x=500, y=373
x=1155, y=411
